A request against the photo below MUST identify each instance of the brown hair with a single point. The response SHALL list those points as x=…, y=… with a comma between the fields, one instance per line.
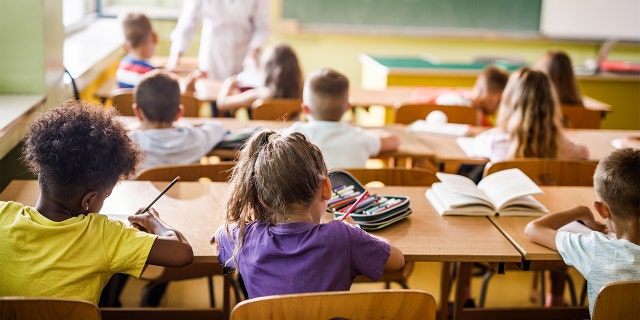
x=617, y=182
x=326, y=92
x=282, y=72
x=137, y=28
x=558, y=66
x=158, y=96
x=492, y=79
x=274, y=174
x=79, y=145
x=530, y=114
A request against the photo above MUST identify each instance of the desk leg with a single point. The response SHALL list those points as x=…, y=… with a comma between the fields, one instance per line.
x=226, y=298
x=445, y=278
x=463, y=277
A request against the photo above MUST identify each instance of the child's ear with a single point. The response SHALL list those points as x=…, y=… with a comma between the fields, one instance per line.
x=305, y=108
x=180, y=113
x=137, y=112
x=326, y=189
x=87, y=199
x=602, y=208
x=126, y=47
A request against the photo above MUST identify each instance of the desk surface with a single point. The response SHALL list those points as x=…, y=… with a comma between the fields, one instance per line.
x=196, y=209
x=555, y=199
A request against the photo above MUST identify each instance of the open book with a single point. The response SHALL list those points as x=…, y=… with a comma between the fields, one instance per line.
x=448, y=129
x=507, y=193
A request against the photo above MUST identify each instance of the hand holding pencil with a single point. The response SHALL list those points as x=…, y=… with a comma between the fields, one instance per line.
x=150, y=221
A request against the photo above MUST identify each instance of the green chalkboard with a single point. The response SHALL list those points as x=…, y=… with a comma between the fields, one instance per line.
x=501, y=16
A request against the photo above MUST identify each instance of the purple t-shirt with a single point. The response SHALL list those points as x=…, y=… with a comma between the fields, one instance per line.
x=303, y=257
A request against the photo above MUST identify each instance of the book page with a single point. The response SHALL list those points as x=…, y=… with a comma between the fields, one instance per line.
x=454, y=199
x=523, y=206
x=505, y=185
x=448, y=129
x=467, y=145
x=473, y=208
x=460, y=184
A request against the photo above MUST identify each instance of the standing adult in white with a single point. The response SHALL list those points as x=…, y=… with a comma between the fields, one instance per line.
x=233, y=31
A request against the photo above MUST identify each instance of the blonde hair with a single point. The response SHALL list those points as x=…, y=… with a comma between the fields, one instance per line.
x=274, y=174
x=559, y=68
x=137, y=28
x=326, y=92
x=530, y=114
x=617, y=182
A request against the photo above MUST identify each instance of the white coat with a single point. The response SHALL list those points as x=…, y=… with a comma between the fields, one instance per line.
x=230, y=29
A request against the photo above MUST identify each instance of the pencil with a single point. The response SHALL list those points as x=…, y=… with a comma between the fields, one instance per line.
x=160, y=195
x=354, y=205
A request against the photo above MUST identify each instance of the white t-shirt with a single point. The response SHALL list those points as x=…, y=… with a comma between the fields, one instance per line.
x=600, y=259
x=342, y=145
x=182, y=144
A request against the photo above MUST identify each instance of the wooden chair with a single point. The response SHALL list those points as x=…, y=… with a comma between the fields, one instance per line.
x=394, y=177
x=579, y=117
x=382, y=304
x=546, y=172
x=276, y=109
x=550, y=172
x=188, y=172
x=122, y=99
x=27, y=308
x=410, y=112
x=618, y=300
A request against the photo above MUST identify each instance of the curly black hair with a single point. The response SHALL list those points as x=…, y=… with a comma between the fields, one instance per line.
x=79, y=146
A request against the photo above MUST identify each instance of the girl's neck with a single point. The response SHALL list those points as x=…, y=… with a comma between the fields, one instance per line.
x=55, y=210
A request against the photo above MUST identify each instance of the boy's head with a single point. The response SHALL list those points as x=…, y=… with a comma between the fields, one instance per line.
x=78, y=147
x=157, y=95
x=138, y=34
x=326, y=95
x=488, y=89
x=617, y=183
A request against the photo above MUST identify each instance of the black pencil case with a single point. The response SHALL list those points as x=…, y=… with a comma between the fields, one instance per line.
x=377, y=220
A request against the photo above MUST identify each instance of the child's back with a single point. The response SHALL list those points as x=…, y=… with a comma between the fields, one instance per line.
x=140, y=45
x=274, y=237
x=325, y=100
x=164, y=141
x=62, y=247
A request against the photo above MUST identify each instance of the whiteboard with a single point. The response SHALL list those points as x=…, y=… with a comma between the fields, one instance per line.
x=591, y=19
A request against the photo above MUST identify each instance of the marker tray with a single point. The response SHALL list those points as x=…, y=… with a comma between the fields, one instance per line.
x=380, y=218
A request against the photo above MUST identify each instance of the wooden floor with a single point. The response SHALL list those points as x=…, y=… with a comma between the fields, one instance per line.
x=508, y=290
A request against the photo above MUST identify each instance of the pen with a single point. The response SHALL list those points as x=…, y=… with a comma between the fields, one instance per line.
x=353, y=206
x=160, y=195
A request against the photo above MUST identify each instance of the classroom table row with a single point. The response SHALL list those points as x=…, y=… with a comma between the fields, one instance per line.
x=196, y=209
x=437, y=151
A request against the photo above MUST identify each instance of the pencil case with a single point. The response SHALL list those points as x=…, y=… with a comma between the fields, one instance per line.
x=368, y=219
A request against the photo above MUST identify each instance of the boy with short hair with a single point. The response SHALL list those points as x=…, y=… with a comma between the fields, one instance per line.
x=140, y=45
x=485, y=95
x=599, y=259
x=157, y=106
x=325, y=100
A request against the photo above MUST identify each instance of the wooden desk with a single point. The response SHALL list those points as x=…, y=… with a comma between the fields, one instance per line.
x=555, y=199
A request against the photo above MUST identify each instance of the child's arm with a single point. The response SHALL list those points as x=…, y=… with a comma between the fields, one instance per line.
x=543, y=230
x=396, y=257
x=388, y=141
x=171, y=248
x=230, y=98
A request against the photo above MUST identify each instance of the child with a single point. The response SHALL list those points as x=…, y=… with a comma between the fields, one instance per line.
x=157, y=106
x=325, y=100
x=528, y=123
x=599, y=259
x=281, y=78
x=558, y=66
x=140, y=45
x=273, y=236
x=62, y=247
x=485, y=95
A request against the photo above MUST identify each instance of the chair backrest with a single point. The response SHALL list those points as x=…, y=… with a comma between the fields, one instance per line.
x=618, y=300
x=276, y=109
x=579, y=117
x=27, y=308
x=394, y=176
x=122, y=99
x=410, y=112
x=550, y=172
x=188, y=172
x=380, y=304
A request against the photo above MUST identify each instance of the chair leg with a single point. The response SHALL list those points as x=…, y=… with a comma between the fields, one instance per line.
x=583, y=294
x=485, y=285
x=543, y=287
x=572, y=289
x=212, y=300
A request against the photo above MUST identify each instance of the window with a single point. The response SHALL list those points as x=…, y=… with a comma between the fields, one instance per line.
x=155, y=9
x=77, y=13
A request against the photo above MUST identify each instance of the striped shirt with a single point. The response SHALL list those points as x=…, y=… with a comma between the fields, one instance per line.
x=131, y=70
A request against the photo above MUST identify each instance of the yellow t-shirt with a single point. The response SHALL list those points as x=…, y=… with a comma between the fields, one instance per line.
x=70, y=259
